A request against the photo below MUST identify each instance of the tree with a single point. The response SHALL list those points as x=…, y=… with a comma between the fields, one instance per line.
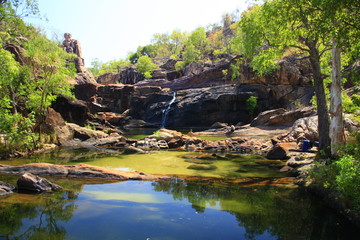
x=293, y=23
x=145, y=66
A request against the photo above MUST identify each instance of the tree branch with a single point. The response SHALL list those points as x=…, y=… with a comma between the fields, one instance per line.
x=323, y=51
x=301, y=48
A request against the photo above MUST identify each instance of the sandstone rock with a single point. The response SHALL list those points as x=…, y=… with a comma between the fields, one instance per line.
x=169, y=65
x=86, y=92
x=6, y=188
x=263, y=118
x=277, y=152
x=115, y=119
x=133, y=150
x=71, y=46
x=76, y=171
x=33, y=183
x=303, y=129
x=55, y=123
x=84, y=76
x=108, y=78
x=193, y=69
x=84, y=133
x=291, y=116
x=280, y=151
x=74, y=111
x=163, y=144
x=130, y=76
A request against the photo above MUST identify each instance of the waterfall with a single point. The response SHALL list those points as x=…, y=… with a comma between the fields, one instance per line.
x=166, y=111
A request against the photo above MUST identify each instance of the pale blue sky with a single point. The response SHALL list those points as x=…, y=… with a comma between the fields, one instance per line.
x=109, y=29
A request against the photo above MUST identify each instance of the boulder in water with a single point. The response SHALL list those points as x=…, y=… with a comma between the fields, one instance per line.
x=30, y=182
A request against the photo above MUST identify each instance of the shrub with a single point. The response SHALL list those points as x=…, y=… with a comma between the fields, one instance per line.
x=348, y=179
x=251, y=105
x=145, y=66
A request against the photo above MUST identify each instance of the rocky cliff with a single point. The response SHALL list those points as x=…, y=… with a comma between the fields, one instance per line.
x=203, y=95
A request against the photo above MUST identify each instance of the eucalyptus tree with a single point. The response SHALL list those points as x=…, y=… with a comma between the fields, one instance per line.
x=305, y=25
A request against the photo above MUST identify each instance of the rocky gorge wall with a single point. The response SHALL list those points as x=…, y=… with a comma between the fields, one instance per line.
x=203, y=97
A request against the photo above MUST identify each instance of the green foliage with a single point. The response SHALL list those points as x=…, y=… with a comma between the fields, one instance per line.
x=343, y=175
x=348, y=179
x=98, y=68
x=251, y=105
x=27, y=89
x=351, y=104
x=145, y=66
x=17, y=132
x=47, y=73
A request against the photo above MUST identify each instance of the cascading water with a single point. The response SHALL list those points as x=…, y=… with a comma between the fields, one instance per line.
x=166, y=111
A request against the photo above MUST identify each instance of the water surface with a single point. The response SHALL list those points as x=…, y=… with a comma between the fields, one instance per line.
x=170, y=209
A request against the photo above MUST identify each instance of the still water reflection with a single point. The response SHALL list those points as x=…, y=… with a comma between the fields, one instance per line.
x=169, y=209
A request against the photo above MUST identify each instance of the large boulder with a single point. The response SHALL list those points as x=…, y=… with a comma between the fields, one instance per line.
x=280, y=151
x=54, y=123
x=263, y=118
x=30, y=182
x=84, y=134
x=291, y=116
x=303, y=129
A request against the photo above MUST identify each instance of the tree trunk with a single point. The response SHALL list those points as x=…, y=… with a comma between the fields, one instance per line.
x=337, y=125
x=322, y=108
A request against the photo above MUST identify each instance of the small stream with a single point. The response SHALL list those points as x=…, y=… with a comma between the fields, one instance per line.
x=241, y=197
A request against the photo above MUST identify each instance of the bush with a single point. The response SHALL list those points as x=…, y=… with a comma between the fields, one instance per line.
x=348, y=179
x=343, y=174
x=251, y=105
x=145, y=66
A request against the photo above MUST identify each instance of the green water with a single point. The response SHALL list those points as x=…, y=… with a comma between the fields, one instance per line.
x=193, y=206
x=164, y=162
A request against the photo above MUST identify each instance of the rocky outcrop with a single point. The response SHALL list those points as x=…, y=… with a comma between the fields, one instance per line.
x=54, y=123
x=291, y=116
x=225, y=103
x=303, y=129
x=32, y=183
x=73, y=46
x=85, y=133
x=6, y=188
x=281, y=116
x=74, y=111
x=75, y=171
x=263, y=118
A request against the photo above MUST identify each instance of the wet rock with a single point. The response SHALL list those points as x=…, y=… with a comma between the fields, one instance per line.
x=6, y=188
x=30, y=182
x=75, y=171
x=133, y=150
